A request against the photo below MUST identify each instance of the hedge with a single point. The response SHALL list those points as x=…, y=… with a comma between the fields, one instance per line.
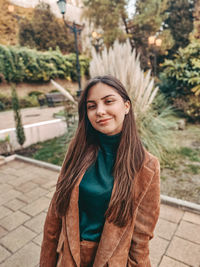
x=21, y=64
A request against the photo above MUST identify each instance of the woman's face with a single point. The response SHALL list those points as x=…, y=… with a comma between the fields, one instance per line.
x=106, y=109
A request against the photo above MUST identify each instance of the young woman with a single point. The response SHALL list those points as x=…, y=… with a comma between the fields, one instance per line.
x=107, y=199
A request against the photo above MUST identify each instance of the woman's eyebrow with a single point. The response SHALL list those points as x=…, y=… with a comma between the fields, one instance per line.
x=88, y=101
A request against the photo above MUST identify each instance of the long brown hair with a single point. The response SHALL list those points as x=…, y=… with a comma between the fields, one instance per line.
x=83, y=152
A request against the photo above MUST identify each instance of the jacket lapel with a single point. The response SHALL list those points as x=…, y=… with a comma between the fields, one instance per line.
x=112, y=234
x=72, y=223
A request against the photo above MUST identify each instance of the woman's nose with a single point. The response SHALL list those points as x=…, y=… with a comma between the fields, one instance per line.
x=100, y=110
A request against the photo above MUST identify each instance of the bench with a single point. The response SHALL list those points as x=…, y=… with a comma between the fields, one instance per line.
x=54, y=98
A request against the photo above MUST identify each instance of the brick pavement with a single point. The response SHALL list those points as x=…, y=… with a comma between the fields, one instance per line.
x=25, y=193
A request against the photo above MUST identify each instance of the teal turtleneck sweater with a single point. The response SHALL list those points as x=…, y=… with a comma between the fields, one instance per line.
x=96, y=187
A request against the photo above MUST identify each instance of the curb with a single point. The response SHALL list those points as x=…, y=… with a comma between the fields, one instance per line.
x=183, y=204
x=39, y=163
x=179, y=203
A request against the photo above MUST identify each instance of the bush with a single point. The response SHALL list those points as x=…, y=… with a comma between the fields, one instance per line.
x=19, y=64
x=180, y=80
x=18, y=123
x=29, y=101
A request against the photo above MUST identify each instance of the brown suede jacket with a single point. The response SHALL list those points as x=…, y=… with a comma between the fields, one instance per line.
x=118, y=247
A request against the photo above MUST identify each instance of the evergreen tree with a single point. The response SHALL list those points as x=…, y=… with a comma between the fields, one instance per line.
x=180, y=22
x=108, y=16
x=18, y=123
x=44, y=31
x=146, y=22
x=197, y=20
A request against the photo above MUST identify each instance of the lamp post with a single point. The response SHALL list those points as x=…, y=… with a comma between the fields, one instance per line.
x=76, y=31
x=97, y=41
x=155, y=42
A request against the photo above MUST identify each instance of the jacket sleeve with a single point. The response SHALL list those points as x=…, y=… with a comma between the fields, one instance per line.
x=52, y=228
x=146, y=219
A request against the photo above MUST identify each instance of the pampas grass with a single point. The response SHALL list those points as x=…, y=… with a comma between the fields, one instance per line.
x=123, y=63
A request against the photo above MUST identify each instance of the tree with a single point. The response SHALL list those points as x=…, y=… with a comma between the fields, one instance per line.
x=19, y=127
x=197, y=20
x=109, y=16
x=180, y=80
x=180, y=23
x=146, y=22
x=44, y=31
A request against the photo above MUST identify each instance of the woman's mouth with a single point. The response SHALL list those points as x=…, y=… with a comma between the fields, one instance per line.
x=103, y=121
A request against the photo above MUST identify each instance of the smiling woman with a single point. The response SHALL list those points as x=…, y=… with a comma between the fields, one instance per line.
x=107, y=198
x=106, y=109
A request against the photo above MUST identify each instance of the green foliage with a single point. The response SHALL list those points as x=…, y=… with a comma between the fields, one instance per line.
x=108, y=16
x=146, y=22
x=191, y=168
x=191, y=153
x=180, y=22
x=180, y=80
x=19, y=64
x=29, y=101
x=44, y=31
x=19, y=127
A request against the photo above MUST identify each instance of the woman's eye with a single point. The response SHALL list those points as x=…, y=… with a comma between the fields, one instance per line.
x=91, y=107
x=109, y=101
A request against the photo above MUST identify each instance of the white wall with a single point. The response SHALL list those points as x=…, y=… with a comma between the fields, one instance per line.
x=36, y=132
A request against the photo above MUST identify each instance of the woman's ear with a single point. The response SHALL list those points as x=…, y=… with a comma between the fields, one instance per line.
x=127, y=106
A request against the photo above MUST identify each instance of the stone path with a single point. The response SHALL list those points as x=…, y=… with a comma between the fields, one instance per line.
x=29, y=116
x=25, y=193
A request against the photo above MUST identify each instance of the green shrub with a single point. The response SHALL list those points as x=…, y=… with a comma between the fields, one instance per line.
x=18, y=123
x=28, y=101
x=19, y=64
x=180, y=80
x=35, y=93
x=2, y=106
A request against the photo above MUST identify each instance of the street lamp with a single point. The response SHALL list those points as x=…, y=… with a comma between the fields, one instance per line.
x=155, y=42
x=11, y=10
x=97, y=40
x=75, y=30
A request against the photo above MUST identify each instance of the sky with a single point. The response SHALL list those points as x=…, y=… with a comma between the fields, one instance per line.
x=131, y=7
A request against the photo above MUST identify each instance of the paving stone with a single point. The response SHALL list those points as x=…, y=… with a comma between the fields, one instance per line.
x=15, y=204
x=189, y=231
x=171, y=214
x=28, y=256
x=4, y=188
x=9, y=195
x=184, y=251
x=165, y=229
x=157, y=247
x=4, y=212
x=2, y=232
x=38, y=239
x=18, y=181
x=168, y=262
x=50, y=184
x=37, y=223
x=40, y=180
x=17, y=238
x=26, y=187
x=50, y=194
x=191, y=217
x=37, y=206
x=33, y=195
x=3, y=254
x=7, y=177
x=13, y=220
x=17, y=164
